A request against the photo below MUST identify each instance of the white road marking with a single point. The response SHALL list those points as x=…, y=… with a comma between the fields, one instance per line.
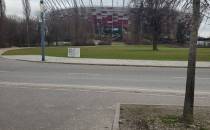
x=205, y=78
x=3, y=71
x=65, y=87
x=179, y=77
x=85, y=74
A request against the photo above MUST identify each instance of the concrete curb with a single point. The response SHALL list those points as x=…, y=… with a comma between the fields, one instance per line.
x=158, y=66
x=115, y=125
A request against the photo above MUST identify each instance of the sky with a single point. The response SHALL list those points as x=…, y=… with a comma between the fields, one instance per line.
x=14, y=7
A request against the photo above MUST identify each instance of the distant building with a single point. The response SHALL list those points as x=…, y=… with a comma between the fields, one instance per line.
x=108, y=20
x=118, y=22
x=203, y=42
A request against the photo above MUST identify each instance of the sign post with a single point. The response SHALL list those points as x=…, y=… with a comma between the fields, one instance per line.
x=42, y=29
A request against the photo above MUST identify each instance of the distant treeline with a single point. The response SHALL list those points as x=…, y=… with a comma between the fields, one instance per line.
x=13, y=32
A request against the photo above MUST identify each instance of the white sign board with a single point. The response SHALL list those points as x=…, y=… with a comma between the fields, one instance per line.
x=74, y=52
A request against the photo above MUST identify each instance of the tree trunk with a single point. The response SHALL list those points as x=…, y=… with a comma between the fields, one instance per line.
x=27, y=33
x=2, y=14
x=27, y=12
x=156, y=29
x=155, y=41
x=190, y=84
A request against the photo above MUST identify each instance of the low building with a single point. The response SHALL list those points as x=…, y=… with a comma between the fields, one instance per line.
x=203, y=42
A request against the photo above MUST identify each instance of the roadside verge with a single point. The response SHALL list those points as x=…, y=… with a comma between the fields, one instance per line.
x=2, y=50
x=159, y=117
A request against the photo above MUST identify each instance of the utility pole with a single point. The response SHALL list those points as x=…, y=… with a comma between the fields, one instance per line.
x=42, y=30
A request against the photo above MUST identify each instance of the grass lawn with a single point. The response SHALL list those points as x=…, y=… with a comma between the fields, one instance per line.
x=143, y=52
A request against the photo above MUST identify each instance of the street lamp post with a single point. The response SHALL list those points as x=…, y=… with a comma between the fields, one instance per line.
x=42, y=30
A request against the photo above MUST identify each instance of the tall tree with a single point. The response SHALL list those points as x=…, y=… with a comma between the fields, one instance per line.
x=137, y=21
x=2, y=16
x=183, y=30
x=2, y=8
x=200, y=9
x=27, y=13
x=190, y=84
x=155, y=11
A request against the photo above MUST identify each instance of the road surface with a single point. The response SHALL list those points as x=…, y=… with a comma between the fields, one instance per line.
x=100, y=76
x=82, y=97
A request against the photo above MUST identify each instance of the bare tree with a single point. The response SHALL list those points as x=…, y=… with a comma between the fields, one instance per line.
x=155, y=13
x=2, y=8
x=137, y=19
x=198, y=9
x=27, y=13
x=157, y=9
x=183, y=29
x=2, y=16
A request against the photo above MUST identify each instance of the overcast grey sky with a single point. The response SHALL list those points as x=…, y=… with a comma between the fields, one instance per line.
x=14, y=7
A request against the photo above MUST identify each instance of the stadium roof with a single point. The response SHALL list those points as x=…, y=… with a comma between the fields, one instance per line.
x=63, y=4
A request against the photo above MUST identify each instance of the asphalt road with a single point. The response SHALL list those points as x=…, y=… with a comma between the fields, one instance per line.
x=101, y=76
x=36, y=96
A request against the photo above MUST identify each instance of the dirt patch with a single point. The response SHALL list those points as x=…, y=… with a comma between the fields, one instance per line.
x=141, y=117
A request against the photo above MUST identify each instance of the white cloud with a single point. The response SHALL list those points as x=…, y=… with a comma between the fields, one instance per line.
x=205, y=29
x=14, y=7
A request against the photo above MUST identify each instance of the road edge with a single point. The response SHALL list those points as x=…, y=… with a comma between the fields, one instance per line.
x=152, y=66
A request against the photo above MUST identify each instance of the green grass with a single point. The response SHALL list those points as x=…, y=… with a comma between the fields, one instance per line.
x=170, y=119
x=143, y=52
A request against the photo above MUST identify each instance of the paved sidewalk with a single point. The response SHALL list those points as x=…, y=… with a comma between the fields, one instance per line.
x=108, y=62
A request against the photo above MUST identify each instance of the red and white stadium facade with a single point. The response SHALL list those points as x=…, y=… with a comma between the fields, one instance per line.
x=109, y=17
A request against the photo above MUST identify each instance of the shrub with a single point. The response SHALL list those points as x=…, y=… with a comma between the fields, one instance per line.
x=105, y=42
